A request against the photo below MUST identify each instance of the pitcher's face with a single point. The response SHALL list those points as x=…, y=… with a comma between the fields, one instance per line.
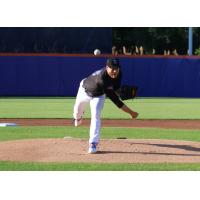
x=113, y=73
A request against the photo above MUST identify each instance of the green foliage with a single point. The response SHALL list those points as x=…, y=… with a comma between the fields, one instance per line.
x=158, y=38
x=197, y=51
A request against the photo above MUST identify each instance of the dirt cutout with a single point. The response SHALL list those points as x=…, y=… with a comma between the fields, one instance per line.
x=167, y=124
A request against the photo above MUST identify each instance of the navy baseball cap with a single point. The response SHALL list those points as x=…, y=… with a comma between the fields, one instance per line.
x=113, y=63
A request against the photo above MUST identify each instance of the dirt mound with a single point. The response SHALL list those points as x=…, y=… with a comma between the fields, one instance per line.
x=110, y=151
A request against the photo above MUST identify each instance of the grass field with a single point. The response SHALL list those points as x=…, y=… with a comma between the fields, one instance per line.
x=148, y=108
x=62, y=108
x=16, y=166
x=17, y=133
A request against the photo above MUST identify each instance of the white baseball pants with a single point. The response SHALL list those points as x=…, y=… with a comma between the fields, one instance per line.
x=96, y=106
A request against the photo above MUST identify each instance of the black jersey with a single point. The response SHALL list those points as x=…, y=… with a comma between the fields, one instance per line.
x=100, y=83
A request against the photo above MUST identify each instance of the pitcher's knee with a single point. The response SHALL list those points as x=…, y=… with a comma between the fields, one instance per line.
x=96, y=115
x=96, y=118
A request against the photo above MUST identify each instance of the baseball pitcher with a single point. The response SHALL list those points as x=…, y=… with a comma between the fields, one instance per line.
x=93, y=89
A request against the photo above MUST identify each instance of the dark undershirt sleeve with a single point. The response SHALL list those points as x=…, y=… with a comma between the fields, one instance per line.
x=114, y=98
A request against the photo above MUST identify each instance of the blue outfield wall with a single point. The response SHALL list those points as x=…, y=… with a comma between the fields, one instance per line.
x=60, y=75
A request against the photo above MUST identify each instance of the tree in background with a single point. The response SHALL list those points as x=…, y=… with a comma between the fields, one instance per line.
x=169, y=39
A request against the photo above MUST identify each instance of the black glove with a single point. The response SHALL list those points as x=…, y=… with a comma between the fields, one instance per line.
x=128, y=92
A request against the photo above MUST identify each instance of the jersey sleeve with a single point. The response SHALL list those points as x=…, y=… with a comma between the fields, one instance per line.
x=117, y=84
x=114, y=98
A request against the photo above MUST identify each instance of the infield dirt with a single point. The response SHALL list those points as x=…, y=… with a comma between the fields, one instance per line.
x=167, y=124
x=109, y=151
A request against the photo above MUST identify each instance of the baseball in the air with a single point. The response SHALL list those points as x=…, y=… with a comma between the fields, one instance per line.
x=97, y=52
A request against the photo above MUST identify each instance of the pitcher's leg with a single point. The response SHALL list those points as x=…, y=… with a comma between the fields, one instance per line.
x=79, y=108
x=81, y=102
x=96, y=105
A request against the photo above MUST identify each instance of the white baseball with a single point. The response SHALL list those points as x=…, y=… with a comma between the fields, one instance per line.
x=97, y=52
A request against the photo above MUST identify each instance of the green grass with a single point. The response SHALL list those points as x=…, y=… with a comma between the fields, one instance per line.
x=17, y=133
x=35, y=107
x=148, y=108
x=16, y=166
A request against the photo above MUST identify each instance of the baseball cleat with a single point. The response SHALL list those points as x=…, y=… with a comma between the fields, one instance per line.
x=92, y=148
x=77, y=122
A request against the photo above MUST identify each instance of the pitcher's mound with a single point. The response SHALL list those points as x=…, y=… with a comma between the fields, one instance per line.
x=110, y=151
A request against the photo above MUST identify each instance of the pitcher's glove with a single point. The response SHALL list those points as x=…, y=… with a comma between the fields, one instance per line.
x=128, y=92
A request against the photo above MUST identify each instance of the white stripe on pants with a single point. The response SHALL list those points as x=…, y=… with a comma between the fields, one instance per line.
x=96, y=106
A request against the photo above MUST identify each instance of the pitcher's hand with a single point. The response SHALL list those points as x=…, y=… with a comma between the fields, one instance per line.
x=134, y=115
